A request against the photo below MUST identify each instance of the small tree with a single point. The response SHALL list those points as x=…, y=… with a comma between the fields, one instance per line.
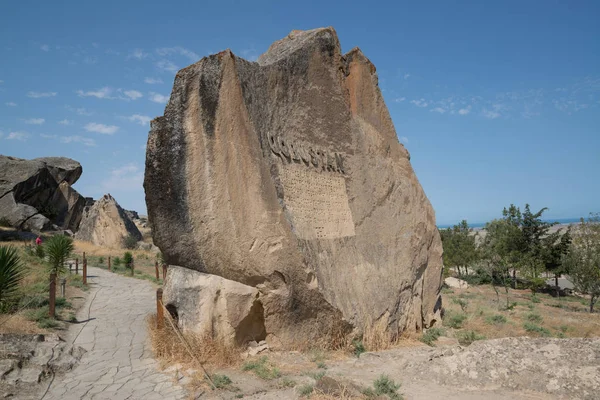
x=130, y=242
x=58, y=249
x=12, y=272
x=583, y=261
x=128, y=259
x=460, y=250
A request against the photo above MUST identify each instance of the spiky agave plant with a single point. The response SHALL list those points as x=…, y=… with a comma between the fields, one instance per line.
x=12, y=272
x=58, y=249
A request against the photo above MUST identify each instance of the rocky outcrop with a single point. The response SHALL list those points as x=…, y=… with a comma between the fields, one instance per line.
x=287, y=175
x=226, y=310
x=106, y=224
x=37, y=194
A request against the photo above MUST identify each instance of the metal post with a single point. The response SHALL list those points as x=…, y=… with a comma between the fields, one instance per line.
x=132, y=267
x=84, y=271
x=63, y=284
x=156, y=269
x=109, y=263
x=76, y=266
x=159, y=309
x=164, y=272
x=52, y=299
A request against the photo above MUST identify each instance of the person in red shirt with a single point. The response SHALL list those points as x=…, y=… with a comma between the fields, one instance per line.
x=38, y=241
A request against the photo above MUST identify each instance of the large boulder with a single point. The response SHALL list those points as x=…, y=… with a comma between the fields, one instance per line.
x=287, y=175
x=106, y=224
x=37, y=194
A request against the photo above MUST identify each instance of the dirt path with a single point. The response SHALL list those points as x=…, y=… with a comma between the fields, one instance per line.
x=118, y=364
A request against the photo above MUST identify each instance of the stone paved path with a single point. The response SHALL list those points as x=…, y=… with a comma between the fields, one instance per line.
x=118, y=364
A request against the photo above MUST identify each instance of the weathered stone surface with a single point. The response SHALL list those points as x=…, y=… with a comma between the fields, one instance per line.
x=36, y=194
x=286, y=175
x=106, y=224
x=214, y=306
x=456, y=283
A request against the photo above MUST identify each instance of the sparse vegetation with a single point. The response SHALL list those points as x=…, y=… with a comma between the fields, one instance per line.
x=220, y=381
x=262, y=368
x=465, y=338
x=496, y=319
x=455, y=320
x=431, y=335
x=5, y=223
x=359, y=347
x=305, y=390
x=534, y=328
x=130, y=242
x=384, y=386
x=12, y=272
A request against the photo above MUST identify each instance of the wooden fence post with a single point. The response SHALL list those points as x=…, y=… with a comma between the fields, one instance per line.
x=84, y=271
x=52, y=299
x=164, y=272
x=156, y=269
x=159, y=309
x=76, y=266
x=132, y=266
x=109, y=263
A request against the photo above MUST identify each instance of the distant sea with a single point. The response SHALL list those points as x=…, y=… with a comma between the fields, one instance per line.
x=479, y=225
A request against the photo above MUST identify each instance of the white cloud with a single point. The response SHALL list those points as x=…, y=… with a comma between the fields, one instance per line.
x=438, y=110
x=133, y=94
x=101, y=128
x=90, y=60
x=158, y=98
x=165, y=51
x=138, y=54
x=167, y=65
x=153, y=81
x=37, y=95
x=45, y=47
x=400, y=99
x=102, y=93
x=404, y=139
x=464, y=111
x=406, y=76
x=11, y=104
x=128, y=177
x=18, y=136
x=71, y=139
x=35, y=121
x=140, y=119
x=65, y=122
x=80, y=111
x=420, y=103
x=490, y=113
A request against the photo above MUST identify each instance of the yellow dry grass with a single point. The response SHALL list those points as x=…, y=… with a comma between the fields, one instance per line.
x=168, y=348
x=18, y=323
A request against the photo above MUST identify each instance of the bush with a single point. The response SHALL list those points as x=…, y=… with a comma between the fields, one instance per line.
x=496, y=319
x=100, y=260
x=359, y=347
x=461, y=302
x=431, y=335
x=128, y=259
x=465, y=338
x=456, y=320
x=116, y=261
x=130, y=242
x=262, y=369
x=305, y=390
x=532, y=317
x=384, y=386
x=39, y=252
x=220, y=381
x=534, y=328
x=12, y=272
x=4, y=222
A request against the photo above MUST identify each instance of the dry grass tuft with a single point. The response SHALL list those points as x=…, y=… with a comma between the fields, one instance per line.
x=378, y=337
x=168, y=347
x=344, y=395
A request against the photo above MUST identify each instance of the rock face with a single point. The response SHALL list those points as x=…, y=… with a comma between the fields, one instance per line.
x=224, y=309
x=37, y=194
x=106, y=224
x=286, y=175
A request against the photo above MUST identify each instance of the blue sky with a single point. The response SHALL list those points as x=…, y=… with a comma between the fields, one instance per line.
x=497, y=103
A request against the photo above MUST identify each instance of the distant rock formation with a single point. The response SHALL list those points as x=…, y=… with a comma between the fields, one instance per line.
x=106, y=224
x=286, y=175
x=37, y=195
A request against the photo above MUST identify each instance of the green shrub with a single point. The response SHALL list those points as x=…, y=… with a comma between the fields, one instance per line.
x=316, y=375
x=456, y=320
x=128, y=259
x=116, y=261
x=465, y=338
x=497, y=319
x=58, y=248
x=359, y=347
x=100, y=260
x=533, y=317
x=321, y=364
x=12, y=272
x=4, y=222
x=262, y=368
x=220, y=381
x=384, y=386
x=305, y=390
x=535, y=298
x=48, y=323
x=534, y=328
x=431, y=335
x=462, y=303
x=286, y=382
x=130, y=242
x=39, y=252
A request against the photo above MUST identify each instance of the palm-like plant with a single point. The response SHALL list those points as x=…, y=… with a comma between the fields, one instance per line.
x=58, y=249
x=12, y=272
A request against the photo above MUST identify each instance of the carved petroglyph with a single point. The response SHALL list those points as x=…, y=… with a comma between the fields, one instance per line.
x=317, y=203
x=297, y=152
